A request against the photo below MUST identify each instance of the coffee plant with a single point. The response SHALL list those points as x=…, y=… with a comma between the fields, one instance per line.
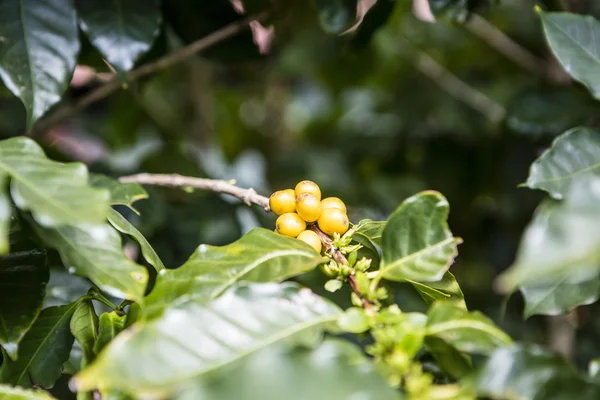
x=310, y=301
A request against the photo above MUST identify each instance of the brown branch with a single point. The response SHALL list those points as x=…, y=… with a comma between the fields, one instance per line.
x=341, y=259
x=249, y=196
x=162, y=63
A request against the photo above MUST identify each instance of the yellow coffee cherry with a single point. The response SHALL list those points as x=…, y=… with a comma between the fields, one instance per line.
x=333, y=220
x=308, y=187
x=308, y=207
x=283, y=201
x=312, y=239
x=333, y=202
x=290, y=224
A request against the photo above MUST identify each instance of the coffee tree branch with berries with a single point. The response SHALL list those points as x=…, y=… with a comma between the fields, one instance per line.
x=309, y=296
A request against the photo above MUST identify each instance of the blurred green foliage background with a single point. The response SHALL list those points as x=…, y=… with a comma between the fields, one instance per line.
x=362, y=114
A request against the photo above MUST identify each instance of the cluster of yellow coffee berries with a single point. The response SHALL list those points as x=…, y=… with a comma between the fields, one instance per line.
x=302, y=205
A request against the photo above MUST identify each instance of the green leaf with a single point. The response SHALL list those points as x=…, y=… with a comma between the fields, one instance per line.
x=451, y=361
x=122, y=30
x=17, y=393
x=84, y=327
x=559, y=297
x=64, y=288
x=534, y=373
x=354, y=320
x=94, y=251
x=446, y=290
x=336, y=16
x=193, y=340
x=111, y=323
x=124, y=226
x=259, y=256
x=417, y=243
x=572, y=155
x=55, y=193
x=124, y=194
x=335, y=370
x=372, y=230
x=5, y=213
x=468, y=332
x=574, y=41
x=43, y=350
x=368, y=234
x=23, y=279
x=38, y=51
x=562, y=240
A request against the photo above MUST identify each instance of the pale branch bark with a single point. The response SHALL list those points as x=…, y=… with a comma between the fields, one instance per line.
x=248, y=196
x=512, y=50
x=453, y=85
x=164, y=62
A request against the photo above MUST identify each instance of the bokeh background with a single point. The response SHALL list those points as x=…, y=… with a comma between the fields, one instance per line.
x=399, y=106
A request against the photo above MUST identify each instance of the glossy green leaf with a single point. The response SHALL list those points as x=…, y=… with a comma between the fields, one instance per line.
x=445, y=290
x=194, y=340
x=532, y=373
x=94, y=251
x=23, y=279
x=560, y=296
x=55, y=193
x=372, y=230
x=354, y=320
x=451, y=361
x=573, y=154
x=574, y=41
x=562, y=240
x=469, y=332
x=260, y=256
x=336, y=16
x=126, y=227
x=124, y=194
x=417, y=243
x=43, y=350
x=38, y=52
x=334, y=370
x=84, y=327
x=111, y=323
x=64, y=288
x=5, y=212
x=17, y=393
x=122, y=30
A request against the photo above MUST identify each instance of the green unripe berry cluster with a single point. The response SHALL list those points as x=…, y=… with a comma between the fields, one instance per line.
x=303, y=205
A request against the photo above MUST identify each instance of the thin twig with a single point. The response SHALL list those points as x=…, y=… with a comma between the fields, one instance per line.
x=249, y=196
x=453, y=85
x=512, y=50
x=162, y=63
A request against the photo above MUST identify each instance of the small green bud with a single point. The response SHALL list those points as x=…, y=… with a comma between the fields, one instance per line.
x=333, y=285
